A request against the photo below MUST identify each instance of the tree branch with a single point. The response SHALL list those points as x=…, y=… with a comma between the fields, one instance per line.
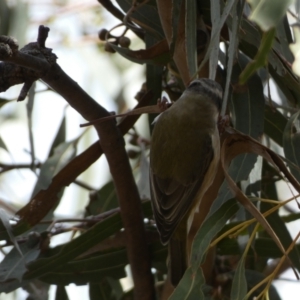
x=112, y=144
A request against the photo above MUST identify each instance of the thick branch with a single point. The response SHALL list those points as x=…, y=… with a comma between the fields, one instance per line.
x=112, y=143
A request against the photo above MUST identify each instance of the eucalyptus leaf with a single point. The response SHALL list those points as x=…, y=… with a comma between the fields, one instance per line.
x=5, y=221
x=176, y=8
x=214, y=53
x=291, y=143
x=191, y=36
x=62, y=155
x=76, y=247
x=191, y=284
x=102, y=200
x=274, y=124
x=14, y=266
x=239, y=283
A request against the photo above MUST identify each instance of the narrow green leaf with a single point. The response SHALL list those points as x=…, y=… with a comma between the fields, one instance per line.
x=96, y=266
x=191, y=36
x=247, y=106
x=14, y=266
x=5, y=17
x=209, y=229
x=214, y=52
x=239, y=283
x=5, y=221
x=248, y=102
x=62, y=155
x=291, y=143
x=274, y=124
x=104, y=200
x=76, y=247
x=176, y=8
x=154, y=80
x=190, y=286
x=283, y=39
x=59, y=138
x=232, y=49
x=214, y=39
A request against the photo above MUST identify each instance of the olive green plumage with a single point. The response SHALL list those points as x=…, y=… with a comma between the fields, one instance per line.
x=183, y=159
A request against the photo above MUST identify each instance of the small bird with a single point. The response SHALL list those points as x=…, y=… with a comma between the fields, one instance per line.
x=184, y=155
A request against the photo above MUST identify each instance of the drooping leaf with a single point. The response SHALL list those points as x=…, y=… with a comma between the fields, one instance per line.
x=214, y=39
x=14, y=265
x=190, y=286
x=211, y=226
x=291, y=143
x=176, y=8
x=76, y=247
x=191, y=36
x=60, y=137
x=274, y=124
x=239, y=283
x=103, y=200
x=5, y=222
x=214, y=52
x=93, y=267
x=62, y=155
x=232, y=49
x=244, y=144
x=247, y=105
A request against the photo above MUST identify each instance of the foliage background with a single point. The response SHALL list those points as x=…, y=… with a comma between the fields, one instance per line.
x=113, y=81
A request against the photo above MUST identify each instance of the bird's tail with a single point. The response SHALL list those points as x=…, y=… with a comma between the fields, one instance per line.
x=177, y=260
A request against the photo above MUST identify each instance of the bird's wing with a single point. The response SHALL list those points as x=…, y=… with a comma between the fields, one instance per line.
x=172, y=200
